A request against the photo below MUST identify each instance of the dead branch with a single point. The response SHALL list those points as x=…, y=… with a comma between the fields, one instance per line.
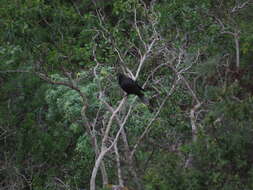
x=193, y=119
x=121, y=182
x=240, y=6
x=148, y=127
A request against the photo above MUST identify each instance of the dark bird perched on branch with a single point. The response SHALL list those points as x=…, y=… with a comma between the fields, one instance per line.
x=131, y=87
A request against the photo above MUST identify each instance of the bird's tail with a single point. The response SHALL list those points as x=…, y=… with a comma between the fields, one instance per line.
x=146, y=102
x=144, y=99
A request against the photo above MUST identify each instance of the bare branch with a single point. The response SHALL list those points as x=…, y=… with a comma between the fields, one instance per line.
x=148, y=127
x=138, y=30
x=194, y=132
x=121, y=182
x=240, y=6
x=193, y=119
x=236, y=37
x=104, y=149
x=186, y=83
x=143, y=58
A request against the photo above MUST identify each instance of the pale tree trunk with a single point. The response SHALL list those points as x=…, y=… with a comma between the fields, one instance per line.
x=121, y=182
x=105, y=149
x=189, y=161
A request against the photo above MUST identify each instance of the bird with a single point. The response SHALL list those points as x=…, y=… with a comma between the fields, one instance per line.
x=131, y=87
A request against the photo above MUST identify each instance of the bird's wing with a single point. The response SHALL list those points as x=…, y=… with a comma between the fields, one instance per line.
x=139, y=86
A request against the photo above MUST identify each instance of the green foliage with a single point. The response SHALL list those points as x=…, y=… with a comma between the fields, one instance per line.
x=43, y=134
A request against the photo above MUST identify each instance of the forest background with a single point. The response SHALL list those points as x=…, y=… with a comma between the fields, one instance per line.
x=66, y=124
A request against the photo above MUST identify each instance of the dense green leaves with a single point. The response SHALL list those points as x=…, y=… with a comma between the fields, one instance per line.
x=58, y=65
